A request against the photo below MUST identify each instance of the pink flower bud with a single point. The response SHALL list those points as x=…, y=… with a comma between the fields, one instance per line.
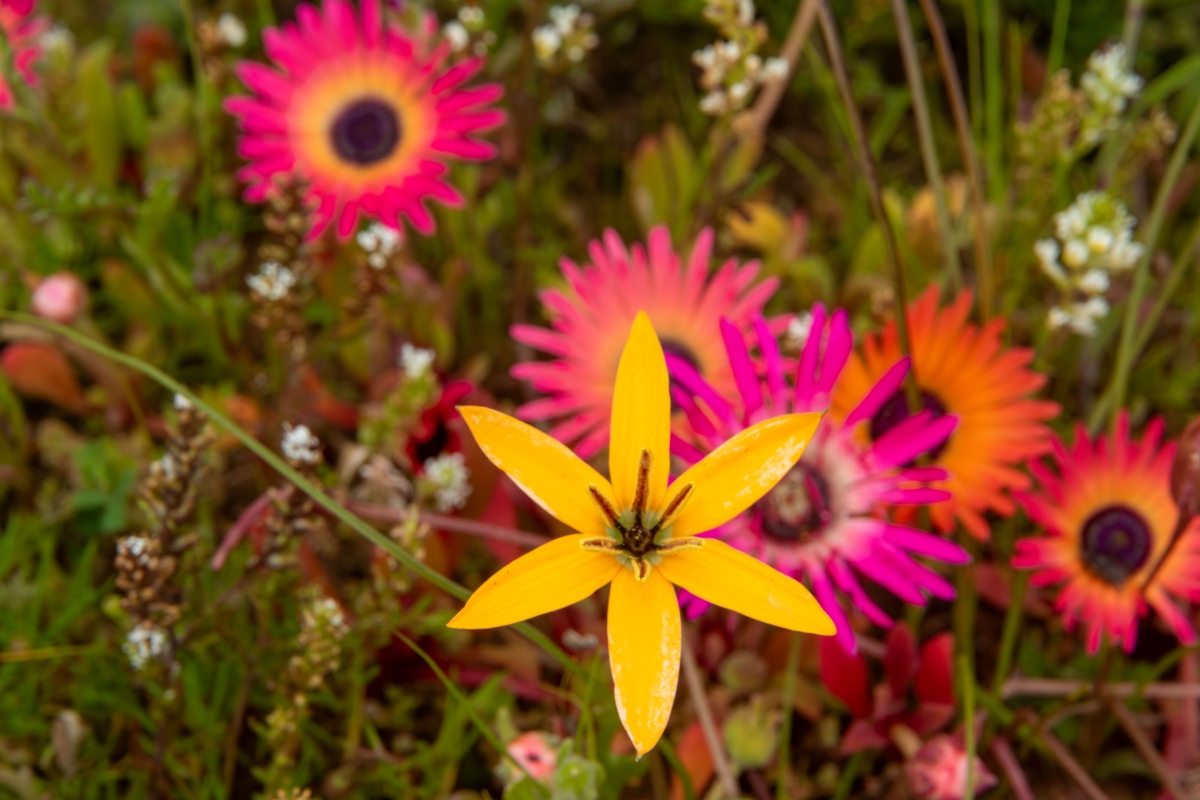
x=535, y=752
x=938, y=771
x=60, y=298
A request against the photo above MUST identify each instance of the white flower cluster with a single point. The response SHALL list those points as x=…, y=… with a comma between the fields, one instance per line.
x=451, y=480
x=732, y=71
x=568, y=36
x=325, y=613
x=1093, y=239
x=272, y=282
x=145, y=642
x=135, y=548
x=380, y=243
x=415, y=361
x=300, y=445
x=1109, y=85
x=231, y=30
x=469, y=26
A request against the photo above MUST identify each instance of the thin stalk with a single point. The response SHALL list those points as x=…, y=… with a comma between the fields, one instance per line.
x=963, y=613
x=866, y=163
x=966, y=678
x=1064, y=758
x=203, y=129
x=1141, y=277
x=753, y=124
x=1062, y=687
x=317, y=494
x=1186, y=259
x=1058, y=38
x=470, y=527
x=1135, y=15
x=671, y=757
x=726, y=780
x=966, y=146
x=974, y=67
x=785, y=732
x=933, y=170
x=993, y=98
x=849, y=774
x=1017, y=781
x=1149, y=752
x=1012, y=626
x=46, y=653
x=457, y=694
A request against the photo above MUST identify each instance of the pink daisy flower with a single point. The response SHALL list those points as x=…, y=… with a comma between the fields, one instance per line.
x=23, y=32
x=363, y=111
x=1109, y=517
x=591, y=318
x=826, y=519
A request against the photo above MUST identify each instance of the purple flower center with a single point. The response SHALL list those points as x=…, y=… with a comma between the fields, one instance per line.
x=678, y=348
x=1115, y=544
x=799, y=506
x=366, y=132
x=895, y=410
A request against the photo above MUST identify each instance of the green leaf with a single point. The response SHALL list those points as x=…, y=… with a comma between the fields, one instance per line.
x=103, y=140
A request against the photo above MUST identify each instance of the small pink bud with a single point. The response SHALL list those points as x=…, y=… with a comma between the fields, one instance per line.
x=535, y=753
x=60, y=298
x=938, y=771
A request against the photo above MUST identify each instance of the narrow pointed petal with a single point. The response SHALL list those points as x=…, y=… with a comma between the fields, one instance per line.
x=727, y=577
x=643, y=651
x=735, y=475
x=545, y=468
x=551, y=577
x=641, y=416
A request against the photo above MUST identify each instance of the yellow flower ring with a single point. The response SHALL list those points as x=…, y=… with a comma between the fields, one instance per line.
x=638, y=534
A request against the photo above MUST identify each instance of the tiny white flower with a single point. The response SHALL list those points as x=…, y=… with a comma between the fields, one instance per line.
x=299, y=444
x=564, y=18
x=145, y=642
x=1126, y=254
x=714, y=103
x=415, y=361
x=1094, y=281
x=575, y=53
x=136, y=548
x=705, y=58
x=1058, y=318
x=326, y=611
x=181, y=403
x=57, y=39
x=752, y=63
x=546, y=42
x=798, y=329
x=775, y=69
x=449, y=474
x=231, y=30
x=471, y=15
x=459, y=37
x=1075, y=253
x=739, y=92
x=1047, y=252
x=272, y=282
x=1100, y=240
x=745, y=12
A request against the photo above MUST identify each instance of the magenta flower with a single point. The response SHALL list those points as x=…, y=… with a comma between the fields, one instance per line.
x=826, y=520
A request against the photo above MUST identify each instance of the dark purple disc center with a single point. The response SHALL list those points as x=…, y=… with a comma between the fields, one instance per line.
x=366, y=132
x=895, y=410
x=1115, y=544
x=798, y=508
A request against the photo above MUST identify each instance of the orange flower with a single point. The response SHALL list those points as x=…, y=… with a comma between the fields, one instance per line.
x=965, y=370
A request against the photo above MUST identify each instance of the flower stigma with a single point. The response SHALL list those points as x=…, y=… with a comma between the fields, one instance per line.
x=639, y=536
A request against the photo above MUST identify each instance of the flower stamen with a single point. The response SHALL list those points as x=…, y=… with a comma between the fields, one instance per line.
x=643, y=484
x=674, y=507
x=606, y=508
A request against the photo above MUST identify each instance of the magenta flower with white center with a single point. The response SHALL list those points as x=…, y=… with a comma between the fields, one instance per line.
x=827, y=519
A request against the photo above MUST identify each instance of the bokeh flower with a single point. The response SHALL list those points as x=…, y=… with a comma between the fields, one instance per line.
x=60, y=297
x=826, y=519
x=732, y=68
x=535, y=751
x=964, y=370
x=592, y=315
x=364, y=112
x=638, y=533
x=1108, y=84
x=1108, y=517
x=24, y=33
x=938, y=771
x=566, y=38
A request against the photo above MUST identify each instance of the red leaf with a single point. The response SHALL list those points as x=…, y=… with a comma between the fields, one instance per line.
x=935, y=677
x=900, y=659
x=41, y=371
x=697, y=760
x=845, y=676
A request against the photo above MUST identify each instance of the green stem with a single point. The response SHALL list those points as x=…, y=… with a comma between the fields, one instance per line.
x=974, y=67
x=933, y=170
x=454, y=692
x=668, y=752
x=1185, y=260
x=203, y=130
x=967, y=679
x=785, y=731
x=849, y=774
x=964, y=601
x=1012, y=626
x=318, y=495
x=1058, y=38
x=1135, y=14
x=1141, y=277
x=993, y=98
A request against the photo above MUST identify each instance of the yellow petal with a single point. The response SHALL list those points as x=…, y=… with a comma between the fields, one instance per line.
x=545, y=469
x=641, y=416
x=551, y=577
x=733, y=477
x=643, y=650
x=727, y=577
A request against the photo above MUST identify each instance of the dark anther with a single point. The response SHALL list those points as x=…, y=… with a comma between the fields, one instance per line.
x=674, y=506
x=643, y=484
x=610, y=513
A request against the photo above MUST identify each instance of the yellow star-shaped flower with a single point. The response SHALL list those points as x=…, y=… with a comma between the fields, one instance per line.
x=639, y=534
